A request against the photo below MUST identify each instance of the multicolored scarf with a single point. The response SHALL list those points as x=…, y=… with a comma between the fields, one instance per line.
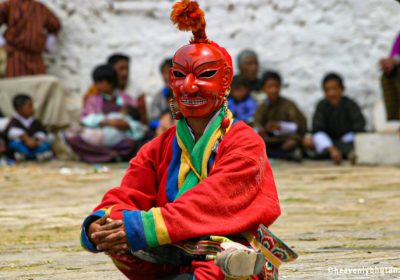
x=191, y=161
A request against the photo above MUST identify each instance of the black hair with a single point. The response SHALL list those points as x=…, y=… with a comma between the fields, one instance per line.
x=105, y=73
x=271, y=75
x=20, y=100
x=166, y=62
x=114, y=58
x=239, y=81
x=133, y=112
x=332, y=76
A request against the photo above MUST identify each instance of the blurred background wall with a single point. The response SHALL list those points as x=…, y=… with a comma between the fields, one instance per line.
x=303, y=39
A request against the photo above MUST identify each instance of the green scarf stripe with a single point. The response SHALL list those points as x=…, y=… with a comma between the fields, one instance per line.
x=149, y=228
x=184, y=134
x=201, y=145
x=195, y=150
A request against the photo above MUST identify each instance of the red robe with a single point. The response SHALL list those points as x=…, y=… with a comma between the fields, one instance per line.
x=238, y=194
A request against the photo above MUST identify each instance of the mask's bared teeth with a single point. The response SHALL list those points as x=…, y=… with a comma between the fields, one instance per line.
x=193, y=101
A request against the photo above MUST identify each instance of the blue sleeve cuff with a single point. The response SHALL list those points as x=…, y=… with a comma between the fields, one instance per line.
x=85, y=241
x=135, y=230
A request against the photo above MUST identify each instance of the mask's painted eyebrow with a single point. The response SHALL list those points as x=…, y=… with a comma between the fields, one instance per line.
x=208, y=62
x=179, y=64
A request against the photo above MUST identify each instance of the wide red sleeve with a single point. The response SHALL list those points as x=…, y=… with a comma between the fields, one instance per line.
x=238, y=195
x=139, y=186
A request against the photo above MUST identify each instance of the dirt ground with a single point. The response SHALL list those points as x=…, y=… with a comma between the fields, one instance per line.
x=336, y=218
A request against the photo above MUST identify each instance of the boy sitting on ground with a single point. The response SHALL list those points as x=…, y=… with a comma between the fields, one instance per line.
x=26, y=136
x=279, y=121
x=335, y=122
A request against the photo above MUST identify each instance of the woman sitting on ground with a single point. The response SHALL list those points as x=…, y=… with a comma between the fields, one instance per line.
x=110, y=132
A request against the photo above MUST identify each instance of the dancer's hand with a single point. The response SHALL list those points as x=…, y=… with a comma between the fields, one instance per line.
x=95, y=227
x=111, y=237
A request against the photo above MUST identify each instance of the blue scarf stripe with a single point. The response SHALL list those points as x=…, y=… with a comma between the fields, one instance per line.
x=173, y=171
x=211, y=161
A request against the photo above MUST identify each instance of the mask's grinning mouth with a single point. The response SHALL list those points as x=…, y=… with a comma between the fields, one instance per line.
x=193, y=101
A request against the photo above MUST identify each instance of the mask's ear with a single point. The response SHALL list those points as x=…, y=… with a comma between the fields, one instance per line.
x=227, y=79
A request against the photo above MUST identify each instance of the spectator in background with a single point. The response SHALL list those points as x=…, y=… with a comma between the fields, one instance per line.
x=241, y=104
x=160, y=106
x=279, y=121
x=31, y=28
x=26, y=136
x=98, y=107
x=336, y=120
x=390, y=81
x=109, y=136
x=121, y=62
x=249, y=68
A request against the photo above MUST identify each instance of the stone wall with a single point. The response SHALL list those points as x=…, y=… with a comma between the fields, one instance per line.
x=301, y=39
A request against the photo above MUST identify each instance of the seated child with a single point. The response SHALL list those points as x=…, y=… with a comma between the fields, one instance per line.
x=160, y=103
x=108, y=136
x=336, y=120
x=241, y=104
x=279, y=121
x=26, y=136
x=99, y=128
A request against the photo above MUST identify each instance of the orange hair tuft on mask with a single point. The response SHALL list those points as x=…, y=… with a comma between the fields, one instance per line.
x=188, y=16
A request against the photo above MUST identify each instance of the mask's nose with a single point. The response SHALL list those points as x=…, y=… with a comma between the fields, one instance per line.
x=189, y=85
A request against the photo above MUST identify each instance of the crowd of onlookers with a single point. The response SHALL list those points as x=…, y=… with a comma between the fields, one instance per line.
x=114, y=125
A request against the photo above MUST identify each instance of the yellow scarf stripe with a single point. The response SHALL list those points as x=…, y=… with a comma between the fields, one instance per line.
x=189, y=162
x=185, y=167
x=160, y=227
x=210, y=145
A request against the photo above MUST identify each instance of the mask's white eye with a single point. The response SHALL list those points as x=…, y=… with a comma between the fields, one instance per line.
x=179, y=74
x=208, y=74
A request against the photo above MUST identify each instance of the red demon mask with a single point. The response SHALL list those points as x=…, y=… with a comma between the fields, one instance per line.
x=202, y=71
x=199, y=78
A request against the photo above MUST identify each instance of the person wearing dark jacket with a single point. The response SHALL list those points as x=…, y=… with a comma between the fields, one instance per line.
x=336, y=120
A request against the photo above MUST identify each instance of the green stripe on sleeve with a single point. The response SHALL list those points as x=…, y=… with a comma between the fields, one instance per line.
x=149, y=228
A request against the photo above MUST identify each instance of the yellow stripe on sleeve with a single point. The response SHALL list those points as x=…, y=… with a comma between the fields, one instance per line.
x=160, y=227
